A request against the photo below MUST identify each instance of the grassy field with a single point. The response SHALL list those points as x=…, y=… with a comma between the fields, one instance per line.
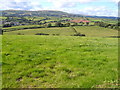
x=110, y=21
x=90, y=31
x=31, y=61
x=51, y=31
x=96, y=31
x=14, y=28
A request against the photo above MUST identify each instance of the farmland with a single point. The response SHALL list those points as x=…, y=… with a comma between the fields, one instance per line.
x=53, y=62
x=55, y=49
x=51, y=31
x=90, y=31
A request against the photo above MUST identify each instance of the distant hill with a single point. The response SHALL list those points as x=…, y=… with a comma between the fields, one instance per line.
x=42, y=13
x=20, y=13
x=106, y=17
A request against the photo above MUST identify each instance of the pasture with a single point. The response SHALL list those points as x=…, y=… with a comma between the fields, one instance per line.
x=95, y=31
x=89, y=31
x=51, y=31
x=31, y=61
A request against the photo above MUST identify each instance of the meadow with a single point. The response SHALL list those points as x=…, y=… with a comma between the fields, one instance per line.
x=45, y=49
x=21, y=27
x=89, y=31
x=96, y=31
x=33, y=61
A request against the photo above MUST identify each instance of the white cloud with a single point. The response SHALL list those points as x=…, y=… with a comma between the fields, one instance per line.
x=98, y=11
x=20, y=5
x=68, y=3
x=116, y=1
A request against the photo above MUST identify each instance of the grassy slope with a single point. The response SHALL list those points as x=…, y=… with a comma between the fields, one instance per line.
x=65, y=62
x=20, y=27
x=61, y=31
x=96, y=31
x=93, y=31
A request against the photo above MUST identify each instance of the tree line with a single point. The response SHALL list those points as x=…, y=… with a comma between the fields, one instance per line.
x=107, y=25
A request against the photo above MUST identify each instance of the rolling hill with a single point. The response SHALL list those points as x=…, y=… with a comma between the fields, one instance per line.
x=20, y=13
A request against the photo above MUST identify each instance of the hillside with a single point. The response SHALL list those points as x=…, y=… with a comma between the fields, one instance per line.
x=46, y=49
x=20, y=13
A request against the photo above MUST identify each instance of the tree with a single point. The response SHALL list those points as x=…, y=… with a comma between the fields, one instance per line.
x=7, y=25
x=75, y=24
x=87, y=23
x=58, y=24
x=96, y=23
x=112, y=26
x=82, y=23
x=49, y=25
x=67, y=24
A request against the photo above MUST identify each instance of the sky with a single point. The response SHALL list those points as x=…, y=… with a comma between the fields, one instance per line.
x=85, y=7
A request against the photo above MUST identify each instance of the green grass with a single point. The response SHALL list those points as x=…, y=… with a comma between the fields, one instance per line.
x=96, y=31
x=51, y=31
x=110, y=21
x=3, y=17
x=59, y=62
x=89, y=31
x=15, y=28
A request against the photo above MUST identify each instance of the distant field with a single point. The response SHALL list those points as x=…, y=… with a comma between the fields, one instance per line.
x=3, y=17
x=21, y=27
x=96, y=31
x=51, y=31
x=110, y=21
x=59, y=62
x=90, y=31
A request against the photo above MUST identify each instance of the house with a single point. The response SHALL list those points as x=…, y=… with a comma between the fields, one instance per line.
x=80, y=21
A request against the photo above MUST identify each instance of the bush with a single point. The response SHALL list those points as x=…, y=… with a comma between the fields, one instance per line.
x=41, y=34
x=117, y=27
x=87, y=23
x=7, y=25
x=75, y=24
x=56, y=34
x=20, y=34
x=49, y=25
x=112, y=26
x=78, y=34
x=67, y=24
x=58, y=24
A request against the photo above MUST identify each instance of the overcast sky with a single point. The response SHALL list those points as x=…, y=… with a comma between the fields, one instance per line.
x=86, y=7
